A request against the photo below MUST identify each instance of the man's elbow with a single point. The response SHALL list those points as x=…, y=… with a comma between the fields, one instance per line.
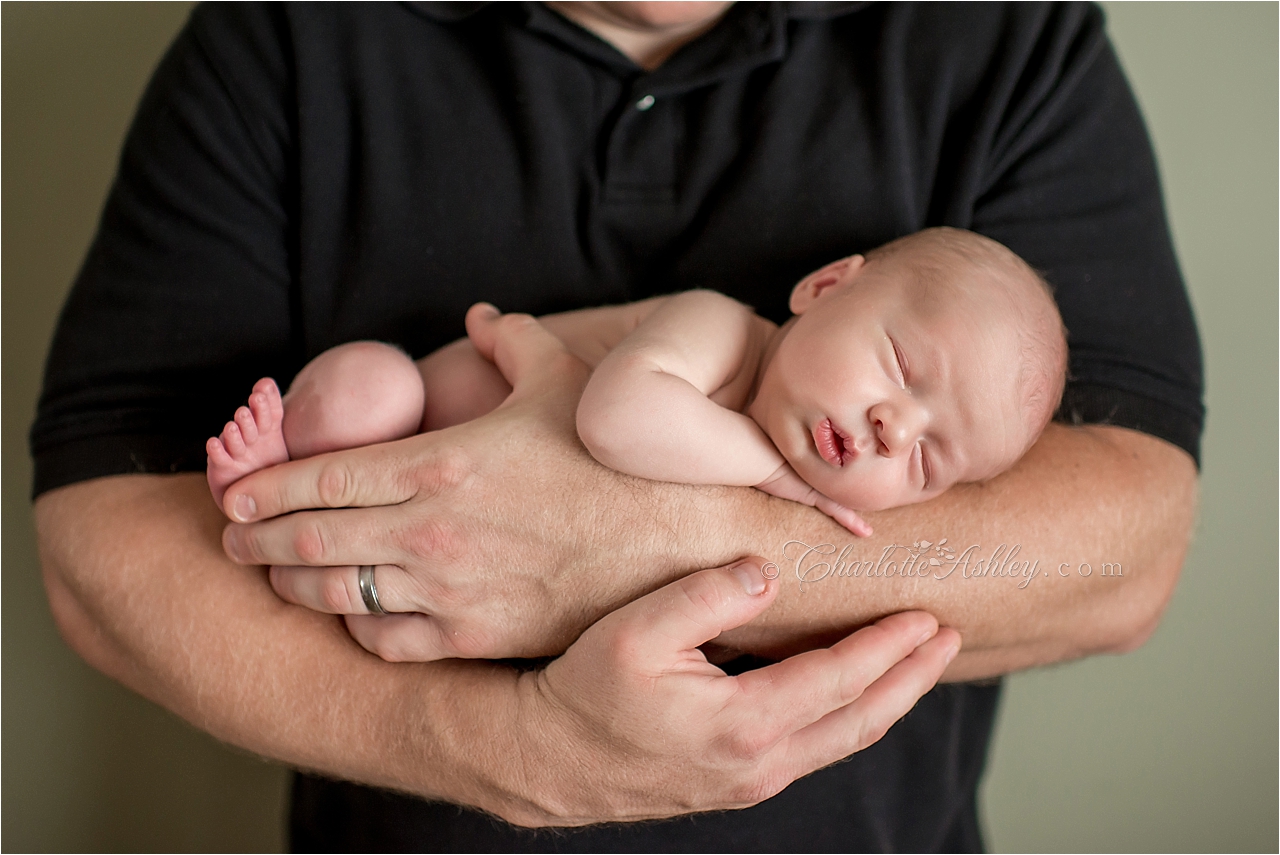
x=1143, y=612
x=75, y=621
x=78, y=629
x=1140, y=635
x=1144, y=601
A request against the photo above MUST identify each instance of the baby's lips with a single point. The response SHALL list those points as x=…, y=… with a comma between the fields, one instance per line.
x=824, y=441
x=832, y=444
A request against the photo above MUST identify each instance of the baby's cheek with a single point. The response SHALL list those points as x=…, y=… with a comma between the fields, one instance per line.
x=870, y=487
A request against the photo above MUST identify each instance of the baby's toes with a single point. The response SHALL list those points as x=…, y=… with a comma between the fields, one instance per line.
x=265, y=403
x=248, y=427
x=218, y=455
x=261, y=412
x=233, y=441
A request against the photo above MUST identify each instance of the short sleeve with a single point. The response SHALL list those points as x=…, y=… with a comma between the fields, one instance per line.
x=186, y=295
x=1071, y=185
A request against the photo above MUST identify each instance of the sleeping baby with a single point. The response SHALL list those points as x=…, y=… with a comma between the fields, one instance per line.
x=934, y=360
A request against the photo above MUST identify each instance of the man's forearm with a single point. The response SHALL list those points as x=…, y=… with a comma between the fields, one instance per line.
x=139, y=586
x=1074, y=551
x=514, y=540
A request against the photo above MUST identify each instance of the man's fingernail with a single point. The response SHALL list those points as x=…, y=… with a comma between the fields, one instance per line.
x=953, y=653
x=749, y=577
x=928, y=635
x=229, y=543
x=244, y=508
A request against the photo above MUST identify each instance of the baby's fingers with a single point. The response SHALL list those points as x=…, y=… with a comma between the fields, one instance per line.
x=847, y=517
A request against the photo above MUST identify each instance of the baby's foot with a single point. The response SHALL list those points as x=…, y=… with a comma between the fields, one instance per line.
x=253, y=441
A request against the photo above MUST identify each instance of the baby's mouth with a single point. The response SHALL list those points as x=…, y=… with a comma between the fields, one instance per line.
x=835, y=446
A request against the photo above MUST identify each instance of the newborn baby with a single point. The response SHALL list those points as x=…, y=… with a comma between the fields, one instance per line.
x=934, y=360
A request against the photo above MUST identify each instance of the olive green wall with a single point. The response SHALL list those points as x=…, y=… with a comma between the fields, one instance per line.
x=1173, y=748
x=87, y=765
x=1170, y=748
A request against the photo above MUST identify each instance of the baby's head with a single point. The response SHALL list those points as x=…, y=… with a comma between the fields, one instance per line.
x=937, y=359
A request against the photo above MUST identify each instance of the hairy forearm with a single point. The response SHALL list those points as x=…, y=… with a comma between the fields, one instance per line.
x=140, y=588
x=1094, y=522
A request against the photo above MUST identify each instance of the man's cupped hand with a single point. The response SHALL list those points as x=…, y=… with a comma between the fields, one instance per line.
x=650, y=729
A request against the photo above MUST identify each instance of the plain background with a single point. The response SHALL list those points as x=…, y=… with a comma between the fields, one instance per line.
x=1171, y=748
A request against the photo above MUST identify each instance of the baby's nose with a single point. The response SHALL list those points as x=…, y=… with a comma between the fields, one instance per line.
x=893, y=437
x=897, y=428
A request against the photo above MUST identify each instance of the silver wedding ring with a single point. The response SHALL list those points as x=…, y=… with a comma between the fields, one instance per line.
x=369, y=591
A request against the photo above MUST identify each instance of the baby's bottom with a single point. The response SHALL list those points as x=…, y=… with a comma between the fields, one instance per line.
x=352, y=395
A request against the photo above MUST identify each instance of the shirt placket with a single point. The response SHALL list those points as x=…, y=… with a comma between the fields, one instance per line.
x=640, y=155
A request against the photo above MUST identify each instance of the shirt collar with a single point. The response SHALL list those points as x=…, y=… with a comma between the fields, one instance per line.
x=749, y=35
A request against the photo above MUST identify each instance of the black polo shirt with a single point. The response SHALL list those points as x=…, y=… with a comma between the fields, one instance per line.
x=299, y=176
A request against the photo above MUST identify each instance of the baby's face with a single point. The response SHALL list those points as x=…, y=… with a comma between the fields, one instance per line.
x=881, y=394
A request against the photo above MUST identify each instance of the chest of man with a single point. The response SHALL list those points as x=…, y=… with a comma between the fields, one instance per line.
x=507, y=157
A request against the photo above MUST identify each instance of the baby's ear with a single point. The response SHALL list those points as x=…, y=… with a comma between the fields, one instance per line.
x=823, y=280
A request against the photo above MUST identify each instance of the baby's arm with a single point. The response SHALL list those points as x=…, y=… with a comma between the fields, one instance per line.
x=663, y=404
x=648, y=408
x=786, y=484
x=653, y=407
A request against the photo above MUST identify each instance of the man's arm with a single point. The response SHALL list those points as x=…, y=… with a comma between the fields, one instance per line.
x=1104, y=515
x=438, y=513
x=140, y=588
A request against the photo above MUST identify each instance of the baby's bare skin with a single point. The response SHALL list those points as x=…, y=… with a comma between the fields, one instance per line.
x=902, y=373
x=364, y=393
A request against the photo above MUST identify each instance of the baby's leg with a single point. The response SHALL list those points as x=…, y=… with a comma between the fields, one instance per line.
x=352, y=395
x=356, y=394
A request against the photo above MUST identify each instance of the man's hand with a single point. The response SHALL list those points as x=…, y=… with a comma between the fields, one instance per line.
x=630, y=722
x=651, y=729
x=492, y=537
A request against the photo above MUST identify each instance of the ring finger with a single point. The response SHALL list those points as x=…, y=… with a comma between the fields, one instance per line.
x=336, y=590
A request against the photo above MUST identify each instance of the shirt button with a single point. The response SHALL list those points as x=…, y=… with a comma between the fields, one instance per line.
x=645, y=103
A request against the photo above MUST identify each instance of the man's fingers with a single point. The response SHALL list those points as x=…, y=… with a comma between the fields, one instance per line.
x=482, y=328
x=786, y=696
x=405, y=635
x=336, y=590
x=862, y=722
x=355, y=478
x=401, y=638
x=325, y=538
x=532, y=360
x=689, y=612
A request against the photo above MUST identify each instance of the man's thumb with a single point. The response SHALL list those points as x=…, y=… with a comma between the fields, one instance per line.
x=694, y=610
x=482, y=328
x=521, y=347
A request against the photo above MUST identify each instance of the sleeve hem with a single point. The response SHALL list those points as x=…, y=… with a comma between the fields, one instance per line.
x=121, y=454
x=1086, y=403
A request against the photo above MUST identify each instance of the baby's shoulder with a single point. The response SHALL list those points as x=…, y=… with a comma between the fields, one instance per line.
x=711, y=303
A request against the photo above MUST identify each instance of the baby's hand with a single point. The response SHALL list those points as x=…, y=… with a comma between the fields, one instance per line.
x=786, y=484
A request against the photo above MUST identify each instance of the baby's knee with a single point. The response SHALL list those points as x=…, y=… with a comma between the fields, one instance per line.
x=355, y=394
x=360, y=362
